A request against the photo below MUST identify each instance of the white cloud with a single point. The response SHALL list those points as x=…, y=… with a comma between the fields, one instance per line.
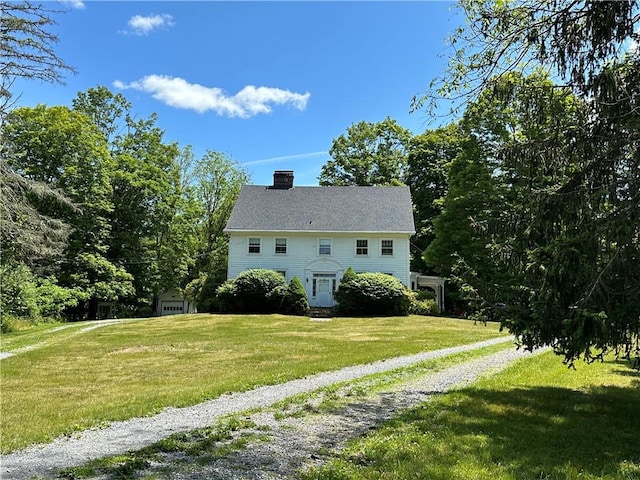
x=248, y=102
x=141, y=25
x=79, y=4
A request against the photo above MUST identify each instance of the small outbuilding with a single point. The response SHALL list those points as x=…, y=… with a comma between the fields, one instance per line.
x=172, y=302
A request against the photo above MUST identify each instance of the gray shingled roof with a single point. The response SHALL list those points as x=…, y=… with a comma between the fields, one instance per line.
x=323, y=209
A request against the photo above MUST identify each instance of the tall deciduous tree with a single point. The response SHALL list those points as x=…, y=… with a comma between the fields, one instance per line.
x=64, y=150
x=108, y=112
x=429, y=156
x=368, y=154
x=217, y=182
x=153, y=222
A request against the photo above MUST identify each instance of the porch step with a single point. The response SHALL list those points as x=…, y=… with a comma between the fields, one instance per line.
x=318, y=312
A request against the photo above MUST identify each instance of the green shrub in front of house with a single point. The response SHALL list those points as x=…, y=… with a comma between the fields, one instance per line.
x=294, y=301
x=202, y=292
x=423, y=303
x=423, y=307
x=252, y=291
x=376, y=294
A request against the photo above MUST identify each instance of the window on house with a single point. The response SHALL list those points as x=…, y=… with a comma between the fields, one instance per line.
x=362, y=247
x=386, y=247
x=281, y=245
x=254, y=245
x=282, y=272
x=324, y=246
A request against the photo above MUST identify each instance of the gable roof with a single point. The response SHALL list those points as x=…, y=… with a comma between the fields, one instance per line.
x=323, y=209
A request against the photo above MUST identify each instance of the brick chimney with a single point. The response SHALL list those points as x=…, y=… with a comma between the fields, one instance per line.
x=282, y=179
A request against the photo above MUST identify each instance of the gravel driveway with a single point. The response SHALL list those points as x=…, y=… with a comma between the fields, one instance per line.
x=292, y=442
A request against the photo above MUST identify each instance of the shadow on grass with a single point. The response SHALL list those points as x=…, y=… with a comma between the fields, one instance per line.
x=543, y=432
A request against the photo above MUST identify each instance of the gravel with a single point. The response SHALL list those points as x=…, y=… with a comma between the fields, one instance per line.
x=293, y=443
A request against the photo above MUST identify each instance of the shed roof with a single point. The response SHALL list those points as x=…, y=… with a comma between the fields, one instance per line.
x=323, y=209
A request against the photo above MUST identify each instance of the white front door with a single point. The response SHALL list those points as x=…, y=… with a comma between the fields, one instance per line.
x=324, y=284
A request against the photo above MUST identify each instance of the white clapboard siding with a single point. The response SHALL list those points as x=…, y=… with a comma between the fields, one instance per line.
x=303, y=260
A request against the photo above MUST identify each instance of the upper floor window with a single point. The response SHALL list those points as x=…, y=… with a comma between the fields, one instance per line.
x=281, y=245
x=324, y=246
x=254, y=245
x=362, y=247
x=386, y=247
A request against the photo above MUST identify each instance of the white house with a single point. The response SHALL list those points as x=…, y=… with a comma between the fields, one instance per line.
x=316, y=233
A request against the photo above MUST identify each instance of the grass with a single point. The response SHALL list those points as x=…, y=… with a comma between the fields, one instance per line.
x=31, y=335
x=233, y=432
x=200, y=446
x=536, y=420
x=90, y=377
x=334, y=396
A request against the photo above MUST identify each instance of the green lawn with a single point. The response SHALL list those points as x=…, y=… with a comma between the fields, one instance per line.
x=77, y=379
x=536, y=420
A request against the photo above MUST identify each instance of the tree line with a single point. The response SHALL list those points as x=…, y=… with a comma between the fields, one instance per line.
x=132, y=215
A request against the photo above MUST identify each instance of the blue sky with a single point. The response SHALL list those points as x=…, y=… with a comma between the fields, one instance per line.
x=270, y=84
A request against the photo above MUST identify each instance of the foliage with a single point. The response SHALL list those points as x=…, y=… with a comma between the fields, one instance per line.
x=294, y=300
x=423, y=302
x=424, y=307
x=203, y=292
x=63, y=149
x=8, y=323
x=26, y=234
x=376, y=294
x=101, y=185
x=218, y=180
x=349, y=274
x=53, y=300
x=24, y=295
x=154, y=216
x=226, y=296
x=27, y=46
x=572, y=40
x=562, y=235
x=369, y=154
x=429, y=156
x=18, y=296
x=146, y=203
x=252, y=291
x=467, y=206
